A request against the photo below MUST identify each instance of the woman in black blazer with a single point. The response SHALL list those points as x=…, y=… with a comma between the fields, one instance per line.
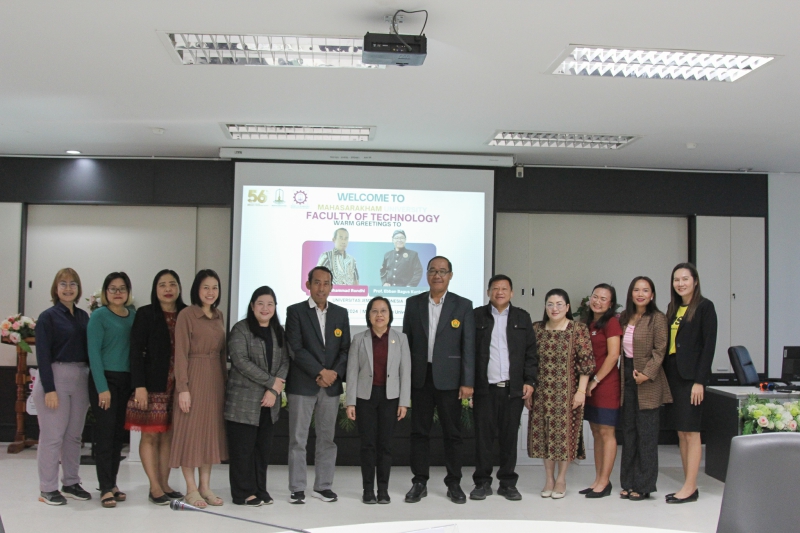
x=153, y=380
x=693, y=338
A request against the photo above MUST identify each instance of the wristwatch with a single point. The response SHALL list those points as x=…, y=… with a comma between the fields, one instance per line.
x=594, y=378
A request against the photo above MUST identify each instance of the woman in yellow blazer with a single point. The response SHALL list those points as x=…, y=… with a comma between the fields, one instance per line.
x=378, y=393
x=644, y=388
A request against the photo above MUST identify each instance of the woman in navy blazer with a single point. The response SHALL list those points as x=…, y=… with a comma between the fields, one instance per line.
x=379, y=391
x=693, y=338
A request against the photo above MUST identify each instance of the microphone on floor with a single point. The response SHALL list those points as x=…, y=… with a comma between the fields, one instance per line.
x=177, y=505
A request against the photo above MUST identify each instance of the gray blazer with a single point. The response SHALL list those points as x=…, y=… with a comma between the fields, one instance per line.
x=250, y=377
x=398, y=368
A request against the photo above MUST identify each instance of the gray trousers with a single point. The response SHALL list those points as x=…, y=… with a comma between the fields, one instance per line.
x=301, y=408
x=60, y=429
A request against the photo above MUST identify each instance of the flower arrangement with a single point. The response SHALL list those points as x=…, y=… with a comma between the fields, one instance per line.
x=94, y=301
x=760, y=415
x=16, y=328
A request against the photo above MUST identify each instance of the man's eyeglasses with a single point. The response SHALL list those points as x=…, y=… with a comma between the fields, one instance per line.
x=442, y=273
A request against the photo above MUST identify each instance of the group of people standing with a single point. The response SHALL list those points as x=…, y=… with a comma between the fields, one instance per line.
x=162, y=370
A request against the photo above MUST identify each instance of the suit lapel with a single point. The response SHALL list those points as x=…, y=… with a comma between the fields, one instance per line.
x=447, y=311
x=423, y=313
x=368, y=346
x=312, y=315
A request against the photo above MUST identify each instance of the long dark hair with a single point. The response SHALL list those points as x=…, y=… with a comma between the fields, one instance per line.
x=274, y=322
x=630, y=305
x=610, y=312
x=675, y=299
x=557, y=292
x=198, y=280
x=158, y=313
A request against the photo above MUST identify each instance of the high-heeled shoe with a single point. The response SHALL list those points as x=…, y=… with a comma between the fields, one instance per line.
x=587, y=490
x=691, y=498
x=602, y=494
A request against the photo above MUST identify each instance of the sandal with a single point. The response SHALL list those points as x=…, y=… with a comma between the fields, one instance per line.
x=108, y=502
x=624, y=494
x=212, y=499
x=638, y=496
x=119, y=495
x=194, y=499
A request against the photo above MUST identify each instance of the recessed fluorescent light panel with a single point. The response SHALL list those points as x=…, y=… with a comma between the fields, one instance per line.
x=532, y=139
x=266, y=50
x=579, y=60
x=277, y=132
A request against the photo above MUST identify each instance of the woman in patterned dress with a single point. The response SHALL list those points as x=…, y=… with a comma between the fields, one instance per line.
x=153, y=380
x=555, y=421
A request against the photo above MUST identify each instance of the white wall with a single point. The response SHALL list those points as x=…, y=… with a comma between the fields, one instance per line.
x=214, y=249
x=784, y=266
x=11, y=224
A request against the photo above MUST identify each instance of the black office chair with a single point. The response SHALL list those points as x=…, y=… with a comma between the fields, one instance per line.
x=743, y=366
x=761, y=485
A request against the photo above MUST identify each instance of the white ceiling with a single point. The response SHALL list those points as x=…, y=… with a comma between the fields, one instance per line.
x=93, y=75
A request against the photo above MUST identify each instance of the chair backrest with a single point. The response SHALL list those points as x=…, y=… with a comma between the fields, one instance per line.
x=761, y=484
x=742, y=365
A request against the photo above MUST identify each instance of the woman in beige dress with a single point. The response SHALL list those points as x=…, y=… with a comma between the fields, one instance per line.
x=198, y=439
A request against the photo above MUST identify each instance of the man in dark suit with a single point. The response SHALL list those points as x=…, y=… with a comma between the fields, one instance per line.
x=319, y=334
x=440, y=327
x=401, y=266
x=506, y=368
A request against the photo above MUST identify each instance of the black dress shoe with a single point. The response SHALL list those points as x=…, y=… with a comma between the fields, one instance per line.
x=670, y=495
x=587, y=490
x=509, y=493
x=369, y=497
x=481, y=491
x=602, y=494
x=174, y=495
x=455, y=494
x=383, y=496
x=161, y=500
x=691, y=498
x=417, y=492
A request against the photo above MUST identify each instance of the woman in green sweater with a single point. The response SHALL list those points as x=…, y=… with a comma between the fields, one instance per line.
x=108, y=336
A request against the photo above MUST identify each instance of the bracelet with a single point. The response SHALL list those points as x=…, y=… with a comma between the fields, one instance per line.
x=594, y=378
x=582, y=391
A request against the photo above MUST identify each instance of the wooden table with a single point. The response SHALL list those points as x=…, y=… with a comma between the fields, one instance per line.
x=22, y=380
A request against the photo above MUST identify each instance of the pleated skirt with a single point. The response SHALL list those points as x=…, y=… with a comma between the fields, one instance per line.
x=198, y=437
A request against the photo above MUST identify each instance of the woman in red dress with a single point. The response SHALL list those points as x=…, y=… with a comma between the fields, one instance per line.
x=602, y=402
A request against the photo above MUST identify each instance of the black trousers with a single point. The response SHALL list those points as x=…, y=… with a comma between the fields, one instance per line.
x=639, y=462
x=376, y=418
x=109, y=427
x=496, y=415
x=447, y=404
x=248, y=452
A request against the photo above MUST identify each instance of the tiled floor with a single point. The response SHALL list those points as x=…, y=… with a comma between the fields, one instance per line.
x=22, y=512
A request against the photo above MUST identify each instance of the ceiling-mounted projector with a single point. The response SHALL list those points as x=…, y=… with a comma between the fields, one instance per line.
x=394, y=49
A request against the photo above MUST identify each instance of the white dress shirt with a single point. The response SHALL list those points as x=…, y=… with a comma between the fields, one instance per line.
x=498, y=347
x=434, y=312
x=321, y=316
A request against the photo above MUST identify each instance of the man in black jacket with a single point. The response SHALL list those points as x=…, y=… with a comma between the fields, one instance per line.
x=440, y=327
x=318, y=333
x=506, y=367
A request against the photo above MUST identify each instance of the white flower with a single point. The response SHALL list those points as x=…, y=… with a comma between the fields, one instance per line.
x=762, y=421
x=771, y=425
x=14, y=337
x=6, y=325
x=26, y=320
x=779, y=425
x=786, y=416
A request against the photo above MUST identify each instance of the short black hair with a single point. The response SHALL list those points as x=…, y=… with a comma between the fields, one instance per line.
x=198, y=280
x=449, y=264
x=111, y=277
x=335, y=233
x=499, y=277
x=324, y=269
x=388, y=303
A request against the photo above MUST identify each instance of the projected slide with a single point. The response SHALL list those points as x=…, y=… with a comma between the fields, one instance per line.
x=376, y=241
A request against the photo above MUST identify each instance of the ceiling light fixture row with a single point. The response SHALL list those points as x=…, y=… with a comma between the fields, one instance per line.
x=282, y=132
x=266, y=50
x=532, y=139
x=579, y=60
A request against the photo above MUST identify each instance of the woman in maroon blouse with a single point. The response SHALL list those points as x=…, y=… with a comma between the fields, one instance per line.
x=602, y=401
x=379, y=392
